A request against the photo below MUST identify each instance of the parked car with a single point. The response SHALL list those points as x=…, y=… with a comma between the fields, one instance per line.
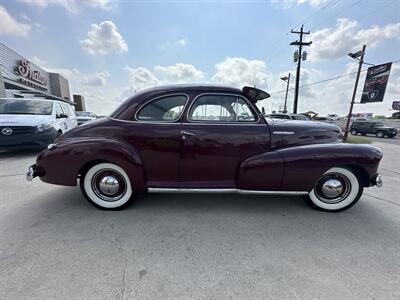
x=372, y=127
x=191, y=138
x=84, y=117
x=33, y=123
x=288, y=116
x=333, y=117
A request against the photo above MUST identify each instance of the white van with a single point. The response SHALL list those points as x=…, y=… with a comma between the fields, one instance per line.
x=32, y=123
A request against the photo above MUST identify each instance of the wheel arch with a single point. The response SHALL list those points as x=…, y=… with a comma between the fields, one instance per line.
x=83, y=154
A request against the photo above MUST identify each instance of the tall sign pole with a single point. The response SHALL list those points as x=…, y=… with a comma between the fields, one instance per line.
x=298, y=56
x=287, y=90
x=361, y=60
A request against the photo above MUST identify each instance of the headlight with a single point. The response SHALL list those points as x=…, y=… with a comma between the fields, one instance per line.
x=43, y=127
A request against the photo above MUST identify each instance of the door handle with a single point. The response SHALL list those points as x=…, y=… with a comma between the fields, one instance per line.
x=186, y=134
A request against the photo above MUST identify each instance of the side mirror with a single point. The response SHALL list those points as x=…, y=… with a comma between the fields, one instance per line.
x=61, y=116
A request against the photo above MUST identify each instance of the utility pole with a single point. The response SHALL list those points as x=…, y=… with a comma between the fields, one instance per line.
x=298, y=56
x=286, y=79
x=360, y=57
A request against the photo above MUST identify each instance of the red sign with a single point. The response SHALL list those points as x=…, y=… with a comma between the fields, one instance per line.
x=24, y=69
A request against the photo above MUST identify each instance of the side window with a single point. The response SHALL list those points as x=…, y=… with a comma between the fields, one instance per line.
x=221, y=108
x=163, y=109
x=59, y=110
x=66, y=109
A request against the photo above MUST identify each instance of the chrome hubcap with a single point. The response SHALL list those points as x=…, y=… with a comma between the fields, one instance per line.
x=109, y=185
x=332, y=188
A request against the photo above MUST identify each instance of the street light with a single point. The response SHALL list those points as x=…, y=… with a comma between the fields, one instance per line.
x=286, y=79
x=356, y=55
x=359, y=55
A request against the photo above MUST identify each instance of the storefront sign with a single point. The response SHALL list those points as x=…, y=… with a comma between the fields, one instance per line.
x=31, y=77
x=375, y=83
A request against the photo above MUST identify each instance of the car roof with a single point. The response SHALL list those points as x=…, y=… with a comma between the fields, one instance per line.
x=191, y=87
x=152, y=93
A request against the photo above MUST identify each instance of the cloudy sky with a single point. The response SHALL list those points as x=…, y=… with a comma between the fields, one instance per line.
x=108, y=49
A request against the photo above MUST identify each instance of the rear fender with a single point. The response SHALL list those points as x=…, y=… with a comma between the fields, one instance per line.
x=63, y=164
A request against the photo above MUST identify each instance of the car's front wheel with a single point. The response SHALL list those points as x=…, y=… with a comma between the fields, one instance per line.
x=106, y=186
x=336, y=190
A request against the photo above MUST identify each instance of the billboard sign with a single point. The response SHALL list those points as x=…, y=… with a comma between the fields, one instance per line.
x=375, y=83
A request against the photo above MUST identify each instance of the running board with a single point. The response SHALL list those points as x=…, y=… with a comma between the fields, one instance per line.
x=229, y=191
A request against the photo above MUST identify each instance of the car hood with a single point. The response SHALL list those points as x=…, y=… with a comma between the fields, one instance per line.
x=289, y=133
x=24, y=120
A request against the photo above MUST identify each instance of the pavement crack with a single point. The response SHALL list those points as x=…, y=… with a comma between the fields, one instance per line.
x=390, y=171
x=123, y=278
x=384, y=200
x=9, y=175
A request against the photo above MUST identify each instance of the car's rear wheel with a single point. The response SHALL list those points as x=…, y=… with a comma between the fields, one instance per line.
x=353, y=132
x=336, y=190
x=380, y=134
x=107, y=186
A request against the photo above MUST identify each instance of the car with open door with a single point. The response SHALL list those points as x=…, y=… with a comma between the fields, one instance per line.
x=204, y=138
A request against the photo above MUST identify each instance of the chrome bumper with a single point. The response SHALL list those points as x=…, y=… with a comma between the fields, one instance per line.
x=32, y=173
x=378, y=180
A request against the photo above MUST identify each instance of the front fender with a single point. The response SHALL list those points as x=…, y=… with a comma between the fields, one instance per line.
x=298, y=168
x=305, y=164
x=63, y=164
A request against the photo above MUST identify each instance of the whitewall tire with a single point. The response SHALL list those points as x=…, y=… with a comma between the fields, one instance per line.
x=336, y=190
x=107, y=186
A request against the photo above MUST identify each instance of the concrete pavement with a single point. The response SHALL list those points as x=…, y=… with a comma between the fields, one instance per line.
x=53, y=244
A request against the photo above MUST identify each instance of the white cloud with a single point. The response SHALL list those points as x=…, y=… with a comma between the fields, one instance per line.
x=99, y=95
x=337, y=42
x=72, y=6
x=11, y=27
x=286, y=4
x=104, y=38
x=168, y=45
x=97, y=79
x=141, y=78
x=239, y=71
x=179, y=73
x=314, y=3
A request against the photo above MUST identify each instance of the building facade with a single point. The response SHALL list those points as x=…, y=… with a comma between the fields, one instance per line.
x=21, y=78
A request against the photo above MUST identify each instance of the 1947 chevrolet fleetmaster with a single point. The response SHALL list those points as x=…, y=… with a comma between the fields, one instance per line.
x=202, y=138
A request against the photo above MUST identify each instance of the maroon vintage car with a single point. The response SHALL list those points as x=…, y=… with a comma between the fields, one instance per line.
x=206, y=138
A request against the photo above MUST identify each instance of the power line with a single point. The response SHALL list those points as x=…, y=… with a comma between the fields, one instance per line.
x=325, y=80
x=328, y=5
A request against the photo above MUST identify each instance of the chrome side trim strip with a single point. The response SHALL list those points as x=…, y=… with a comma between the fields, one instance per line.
x=283, y=132
x=181, y=190
x=237, y=191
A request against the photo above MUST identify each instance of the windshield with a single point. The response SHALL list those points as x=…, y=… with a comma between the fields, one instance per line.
x=83, y=114
x=26, y=107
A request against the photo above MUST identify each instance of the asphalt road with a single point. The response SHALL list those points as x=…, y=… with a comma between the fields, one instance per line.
x=53, y=244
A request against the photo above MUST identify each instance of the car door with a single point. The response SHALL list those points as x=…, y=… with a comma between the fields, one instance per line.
x=155, y=133
x=71, y=120
x=219, y=131
x=61, y=122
